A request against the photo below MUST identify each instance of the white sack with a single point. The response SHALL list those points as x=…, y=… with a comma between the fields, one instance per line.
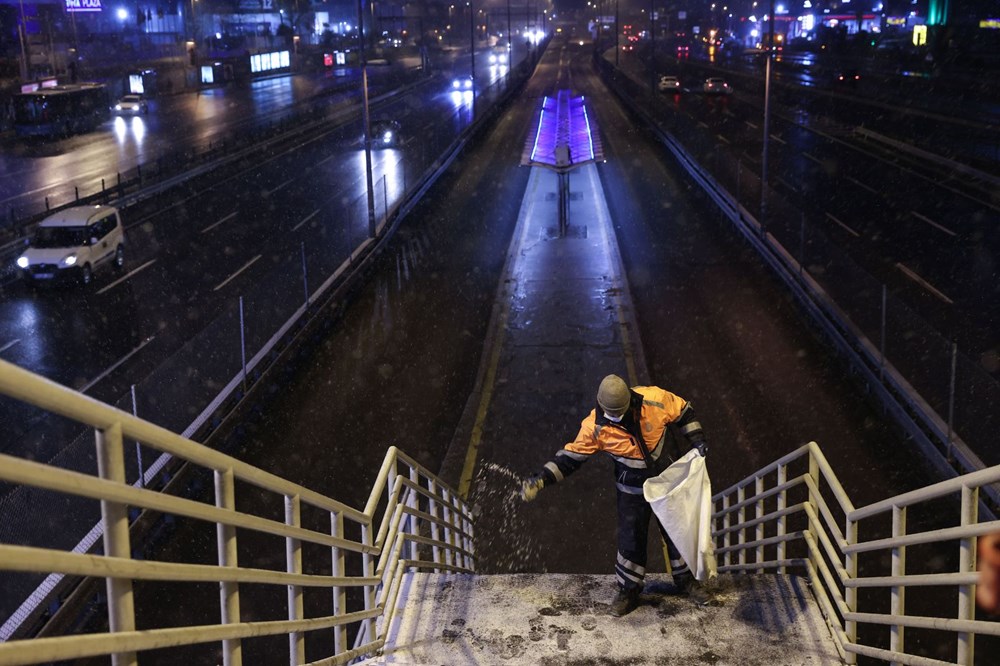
x=681, y=497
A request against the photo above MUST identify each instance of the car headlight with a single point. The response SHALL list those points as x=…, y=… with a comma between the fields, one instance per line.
x=22, y=262
x=69, y=260
x=387, y=137
x=493, y=59
x=456, y=84
x=118, y=107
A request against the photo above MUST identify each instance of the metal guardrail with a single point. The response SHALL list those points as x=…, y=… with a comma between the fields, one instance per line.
x=778, y=519
x=423, y=524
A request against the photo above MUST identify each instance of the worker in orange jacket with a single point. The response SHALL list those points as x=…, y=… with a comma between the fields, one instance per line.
x=622, y=420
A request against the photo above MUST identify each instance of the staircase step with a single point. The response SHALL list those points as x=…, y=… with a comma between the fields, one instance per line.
x=563, y=619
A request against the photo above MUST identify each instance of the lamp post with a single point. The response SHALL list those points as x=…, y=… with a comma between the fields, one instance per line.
x=472, y=53
x=21, y=30
x=366, y=119
x=767, y=117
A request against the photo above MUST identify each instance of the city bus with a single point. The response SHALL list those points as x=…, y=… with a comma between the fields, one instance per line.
x=61, y=110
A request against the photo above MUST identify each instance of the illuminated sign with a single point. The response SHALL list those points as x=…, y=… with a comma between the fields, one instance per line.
x=265, y=62
x=83, y=5
x=990, y=24
x=919, y=35
x=892, y=20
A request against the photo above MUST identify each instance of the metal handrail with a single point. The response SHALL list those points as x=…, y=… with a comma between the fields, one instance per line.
x=415, y=501
x=830, y=554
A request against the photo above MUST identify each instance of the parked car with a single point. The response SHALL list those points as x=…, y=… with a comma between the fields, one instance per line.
x=131, y=104
x=74, y=242
x=717, y=86
x=669, y=84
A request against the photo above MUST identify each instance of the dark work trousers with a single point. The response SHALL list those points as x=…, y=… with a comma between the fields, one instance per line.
x=633, y=526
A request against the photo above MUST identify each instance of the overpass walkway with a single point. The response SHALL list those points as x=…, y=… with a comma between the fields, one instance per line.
x=564, y=319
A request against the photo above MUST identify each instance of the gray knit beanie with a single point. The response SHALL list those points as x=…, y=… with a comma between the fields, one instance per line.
x=613, y=395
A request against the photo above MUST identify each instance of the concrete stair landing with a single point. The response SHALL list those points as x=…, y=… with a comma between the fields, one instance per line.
x=554, y=619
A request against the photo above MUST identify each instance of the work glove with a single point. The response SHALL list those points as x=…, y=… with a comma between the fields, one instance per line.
x=531, y=486
x=701, y=447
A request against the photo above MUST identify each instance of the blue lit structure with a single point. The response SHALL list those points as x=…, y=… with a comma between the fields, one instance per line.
x=562, y=139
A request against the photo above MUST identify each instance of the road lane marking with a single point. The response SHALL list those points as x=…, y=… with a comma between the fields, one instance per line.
x=306, y=219
x=114, y=367
x=127, y=276
x=862, y=185
x=751, y=125
x=932, y=223
x=327, y=159
x=268, y=193
x=844, y=226
x=923, y=283
x=778, y=139
x=702, y=124
x=212, y=226
x=9, y=345
x=787, y=184
x=722, y=139
x=813, y=158
x=233, y=276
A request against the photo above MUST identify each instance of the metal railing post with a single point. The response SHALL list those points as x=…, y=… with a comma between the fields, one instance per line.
x=448, y=532
x=727, y=501
x=967, y=564
x=411, y=502
x=432, y=508
x=368, y=569
x=469, y=541
x=741, y=494
x=759, y=513
x=337, y=569
x=293, y=559
x=782, y=521
x=851, y=593
x=114, y=515
x=897, y=603
x=951, y=399
x=229, y=593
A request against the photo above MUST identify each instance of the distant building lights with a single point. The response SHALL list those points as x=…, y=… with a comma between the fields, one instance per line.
x=808, y=22
x=806, y=4
x=122, y=14
x=780, y=9
x=755, y=33
x=753, y=19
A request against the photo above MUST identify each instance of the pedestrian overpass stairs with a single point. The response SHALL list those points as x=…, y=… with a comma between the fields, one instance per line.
x=806, y=578
x=563, y=619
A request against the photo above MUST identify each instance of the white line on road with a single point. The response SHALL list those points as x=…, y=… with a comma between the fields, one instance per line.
x=269, y=193
x=845, y=227
x=327, y=159
x=9, y=345
x=126, y=277
x=722, y=139
x=124, y=358
x=813, y=158
x=778, y=139
x=231, y=277
x=862, y=185
x=212, y=226
x=787, y=184
x=932, y=223
x=751, y=125
x=702, y=124
x=923, y=283
x=306, y=219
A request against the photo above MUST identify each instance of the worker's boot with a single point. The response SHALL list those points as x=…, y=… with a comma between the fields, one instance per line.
x=692, y=589
x=626, y=601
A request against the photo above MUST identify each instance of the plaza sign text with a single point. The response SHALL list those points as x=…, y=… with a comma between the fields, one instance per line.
x=83, y=5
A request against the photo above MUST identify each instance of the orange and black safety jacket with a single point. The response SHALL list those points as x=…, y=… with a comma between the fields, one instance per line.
x=651, y=411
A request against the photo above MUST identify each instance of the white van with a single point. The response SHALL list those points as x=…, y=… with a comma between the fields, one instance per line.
x=75, y=242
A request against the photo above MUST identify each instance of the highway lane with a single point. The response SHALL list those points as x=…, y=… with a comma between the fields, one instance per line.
x=193, y=252
x=928, y=232
x=30, y=171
